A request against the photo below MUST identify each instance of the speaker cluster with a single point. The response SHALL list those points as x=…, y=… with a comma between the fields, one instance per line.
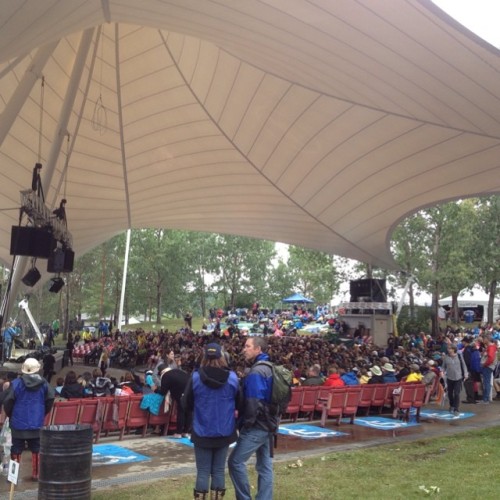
x=40, y=243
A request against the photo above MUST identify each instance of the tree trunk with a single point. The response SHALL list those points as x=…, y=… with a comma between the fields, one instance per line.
x=454, y=308
x=103, y=283
x=491, y=301
x=411, y=300
x=158, y=304
x=435, y=292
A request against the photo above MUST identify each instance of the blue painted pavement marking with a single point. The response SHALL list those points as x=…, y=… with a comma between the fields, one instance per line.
x=305, y=431
x=444, y=415
x=187, y=442
x=382, y=423
x=110, y=454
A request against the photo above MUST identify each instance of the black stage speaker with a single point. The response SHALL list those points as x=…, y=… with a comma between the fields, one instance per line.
x=57, y=284
x=31, y=277
x=368, y=290
x=31, y=242
x=61, y=260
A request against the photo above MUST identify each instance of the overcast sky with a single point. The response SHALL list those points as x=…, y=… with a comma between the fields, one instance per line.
x=480, y=16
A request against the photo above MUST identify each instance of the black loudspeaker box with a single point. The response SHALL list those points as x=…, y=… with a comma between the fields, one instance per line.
x=61, y=260
x=31, y=242
x=368, y=290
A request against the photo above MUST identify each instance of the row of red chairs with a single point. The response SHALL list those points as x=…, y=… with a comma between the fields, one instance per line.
x=118, y=414
x=349, y=400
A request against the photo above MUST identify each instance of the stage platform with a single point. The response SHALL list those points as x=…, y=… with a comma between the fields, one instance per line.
x=13, y=366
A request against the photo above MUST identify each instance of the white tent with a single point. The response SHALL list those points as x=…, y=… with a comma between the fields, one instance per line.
x=315, y=123
x=472, y=299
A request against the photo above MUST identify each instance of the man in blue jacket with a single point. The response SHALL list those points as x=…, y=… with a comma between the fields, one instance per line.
x=258, y=423
x=8, y=339
x=28, y=400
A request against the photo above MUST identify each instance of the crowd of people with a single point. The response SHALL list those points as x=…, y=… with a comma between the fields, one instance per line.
x=213, y=372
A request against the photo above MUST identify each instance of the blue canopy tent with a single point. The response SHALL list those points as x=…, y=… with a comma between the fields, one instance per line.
x=296, y=297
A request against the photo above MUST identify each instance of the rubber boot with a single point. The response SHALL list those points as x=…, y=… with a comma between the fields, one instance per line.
x=200, y=495
x=217, y=494
x=35, y=466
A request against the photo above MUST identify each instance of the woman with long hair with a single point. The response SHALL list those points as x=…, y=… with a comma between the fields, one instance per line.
x=213, y=394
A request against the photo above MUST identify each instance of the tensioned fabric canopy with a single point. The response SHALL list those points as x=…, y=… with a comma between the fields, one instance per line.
x=317, y=123
x=296, y=297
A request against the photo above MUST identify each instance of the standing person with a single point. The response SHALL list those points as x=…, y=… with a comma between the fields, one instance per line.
x=213, y=394
x=170, y=361
x=28, y=400
x=472, y=360
x=70, y=347
x=55, y=327
x=488, y=364
x=8, y=340
x=455, y=372
x=188, y=320
x=49, y=361
x=104, y=362
x=258, y=425
x=175, y=381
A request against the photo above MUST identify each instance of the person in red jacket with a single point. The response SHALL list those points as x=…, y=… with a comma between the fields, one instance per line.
x=488, y=365
x=334, y=379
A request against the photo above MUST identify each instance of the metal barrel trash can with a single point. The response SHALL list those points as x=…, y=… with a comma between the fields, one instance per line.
x=65, y=462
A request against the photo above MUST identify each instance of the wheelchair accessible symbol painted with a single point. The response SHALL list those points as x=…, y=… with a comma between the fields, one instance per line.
x=111, y=454
x=444, y=415
x=308, y=431
x=386, y=424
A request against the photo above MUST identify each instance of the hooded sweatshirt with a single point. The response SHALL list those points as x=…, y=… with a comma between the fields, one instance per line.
x=29, y=399
x=214, y=394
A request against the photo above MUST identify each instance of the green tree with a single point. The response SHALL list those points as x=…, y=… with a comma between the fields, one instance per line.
x=409, y=246
x=241, y=269
x=486, y=248
x=281, y=282
x=313, y=273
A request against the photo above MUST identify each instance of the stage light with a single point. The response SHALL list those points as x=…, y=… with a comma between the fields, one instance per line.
x=57, y=284
x=32, y=277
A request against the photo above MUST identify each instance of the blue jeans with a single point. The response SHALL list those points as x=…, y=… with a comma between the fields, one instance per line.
x=210, y=463
x=7, y=349
x=487, y=376
x=250, y=441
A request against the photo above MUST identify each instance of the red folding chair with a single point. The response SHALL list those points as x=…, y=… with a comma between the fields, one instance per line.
x=66, y=412
x=351, y=402
x=309, y=399
x=292, y=411
x=92, y=412
x=137, y=418
x=378, y=397
x=365, y=400
x=162, y=420
x=115, y=418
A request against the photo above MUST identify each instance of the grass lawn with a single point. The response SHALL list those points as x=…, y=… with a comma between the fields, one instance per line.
x=463, y=466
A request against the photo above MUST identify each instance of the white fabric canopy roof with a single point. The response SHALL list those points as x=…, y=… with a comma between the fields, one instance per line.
x=473, y=298
x=470, y=298
x=317, y=123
